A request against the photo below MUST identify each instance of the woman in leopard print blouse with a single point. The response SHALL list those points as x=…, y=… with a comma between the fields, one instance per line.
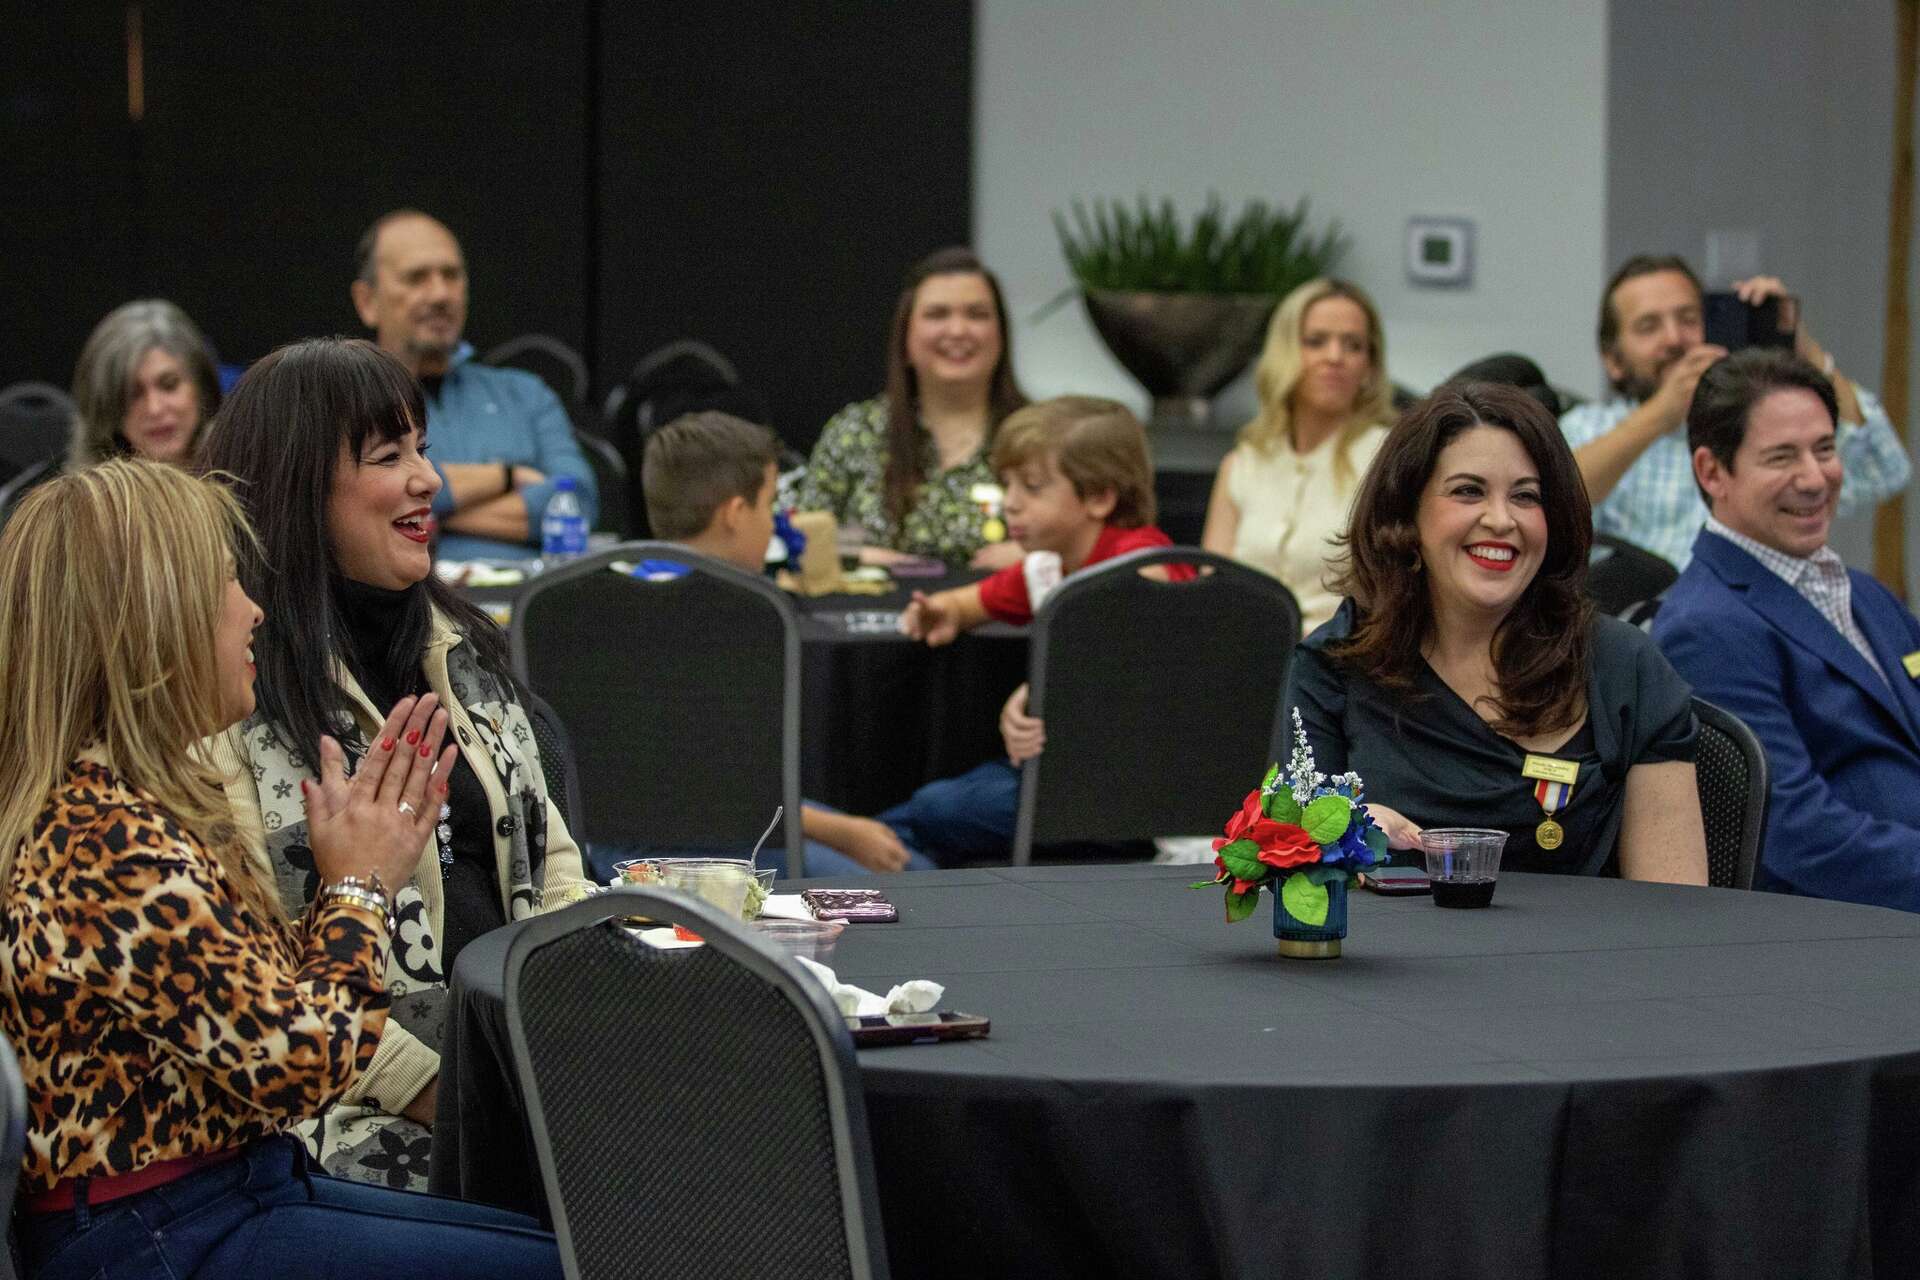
x=170, y=1021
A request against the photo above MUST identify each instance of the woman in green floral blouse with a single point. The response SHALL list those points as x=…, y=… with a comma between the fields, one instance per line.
x=909, y=467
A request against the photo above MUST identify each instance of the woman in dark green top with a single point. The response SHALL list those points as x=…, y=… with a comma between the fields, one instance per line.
x=909, y=467
x=1467, y=648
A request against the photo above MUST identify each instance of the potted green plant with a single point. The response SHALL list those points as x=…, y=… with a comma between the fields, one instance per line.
x=1184, y=308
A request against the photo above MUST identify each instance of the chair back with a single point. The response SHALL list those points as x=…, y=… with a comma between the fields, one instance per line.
x=36, y=423
x=681, y=377
x=556, y=763
x=1626, y=576
x=1730, y=768
x=697, y=1111
x=610, y=478
x=553, y=361
x=13, y=1148
x=1161, y=698
x=682, y=697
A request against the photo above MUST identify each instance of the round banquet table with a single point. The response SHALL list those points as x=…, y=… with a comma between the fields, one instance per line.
x=1591, y=1078
x=881, y=714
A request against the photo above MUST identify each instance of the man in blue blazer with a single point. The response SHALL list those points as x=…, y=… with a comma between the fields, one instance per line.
x=1821, y=662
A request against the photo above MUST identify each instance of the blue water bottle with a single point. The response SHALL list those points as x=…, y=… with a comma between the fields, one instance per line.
x=563, y=529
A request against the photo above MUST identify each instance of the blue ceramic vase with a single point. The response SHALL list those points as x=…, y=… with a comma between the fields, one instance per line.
x=1299, y=940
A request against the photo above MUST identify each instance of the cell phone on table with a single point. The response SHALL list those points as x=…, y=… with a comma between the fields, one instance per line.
x=1394, y=882
x=855, y=906
x=915, y=1028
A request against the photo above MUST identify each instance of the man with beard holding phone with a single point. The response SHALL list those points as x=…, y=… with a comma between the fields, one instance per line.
x=1632, y=449
x=500, y=436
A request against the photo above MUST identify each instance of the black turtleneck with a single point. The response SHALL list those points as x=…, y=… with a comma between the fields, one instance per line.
x=376, y=620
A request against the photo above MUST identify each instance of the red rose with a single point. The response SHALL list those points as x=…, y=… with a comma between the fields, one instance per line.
x=1239, y=885
x=1283, y=845
x=1241, y=823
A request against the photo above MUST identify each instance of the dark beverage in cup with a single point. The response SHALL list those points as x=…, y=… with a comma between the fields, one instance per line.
x=1463, y=893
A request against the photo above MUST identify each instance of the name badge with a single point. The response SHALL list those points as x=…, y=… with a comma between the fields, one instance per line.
x=1912, y=663
x=1548, y=769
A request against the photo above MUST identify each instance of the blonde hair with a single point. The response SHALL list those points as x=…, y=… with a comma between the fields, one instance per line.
x=1277, y=375
x=112, y=581
x=1096, y=444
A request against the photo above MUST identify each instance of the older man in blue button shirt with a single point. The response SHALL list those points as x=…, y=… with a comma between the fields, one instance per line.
x=1632, y=449
x=500, y=437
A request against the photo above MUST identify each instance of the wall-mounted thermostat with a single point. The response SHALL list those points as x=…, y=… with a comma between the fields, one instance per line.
x=1440, y=251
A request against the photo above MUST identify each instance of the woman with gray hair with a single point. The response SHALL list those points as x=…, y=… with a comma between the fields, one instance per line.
x=145, y=385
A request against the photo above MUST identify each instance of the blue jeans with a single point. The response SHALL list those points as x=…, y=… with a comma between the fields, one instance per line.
x=969, y=818
x=269, y=1213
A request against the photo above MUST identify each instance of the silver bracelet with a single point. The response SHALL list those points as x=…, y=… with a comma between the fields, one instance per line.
x=368, y=893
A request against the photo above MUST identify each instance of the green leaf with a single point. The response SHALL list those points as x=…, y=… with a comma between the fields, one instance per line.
x=1282, y=807
x=1241, y=905
x=1304, y=900
x=1326, y=818
x=1377, y=841
x=1242, y=858
x=1214, y=883
x=1325, y=875
x=1272, y=773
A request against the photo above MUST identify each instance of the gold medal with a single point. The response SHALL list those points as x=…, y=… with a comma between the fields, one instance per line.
x=1553, y=784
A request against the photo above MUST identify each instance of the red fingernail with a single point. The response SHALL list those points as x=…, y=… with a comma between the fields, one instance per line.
x=426, y=749
x=413, y=735
x=386, y=744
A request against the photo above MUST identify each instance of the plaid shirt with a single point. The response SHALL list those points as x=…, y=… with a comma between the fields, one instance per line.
x=1656, y=505
x=1820, y=579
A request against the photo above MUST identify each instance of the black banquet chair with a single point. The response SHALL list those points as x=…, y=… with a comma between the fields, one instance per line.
x=1161, y=699
x=697, y=1112
x=553, y=362
x=556, y=762
x=13, y=1148
x=682, y=698
x=611, y=479
x=1735, y=791
x=36, y=422
x=1626, y=576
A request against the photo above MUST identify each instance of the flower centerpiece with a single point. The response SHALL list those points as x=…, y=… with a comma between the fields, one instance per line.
x=1301, y=835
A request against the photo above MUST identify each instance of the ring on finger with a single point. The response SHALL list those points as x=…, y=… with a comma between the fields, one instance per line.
x=406, y=808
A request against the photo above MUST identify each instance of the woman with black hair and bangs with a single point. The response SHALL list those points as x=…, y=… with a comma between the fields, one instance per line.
x=324, y=444
x=1466, y=679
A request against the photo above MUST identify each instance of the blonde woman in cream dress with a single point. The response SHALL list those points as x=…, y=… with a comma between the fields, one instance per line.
x=1286, y=489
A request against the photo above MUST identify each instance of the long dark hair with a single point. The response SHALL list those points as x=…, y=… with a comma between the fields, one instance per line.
x=277, y=441
x=903, y=477
x=1540, y=651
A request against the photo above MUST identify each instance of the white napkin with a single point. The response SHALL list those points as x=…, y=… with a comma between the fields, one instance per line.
x=1042, y=569
x=918, y=996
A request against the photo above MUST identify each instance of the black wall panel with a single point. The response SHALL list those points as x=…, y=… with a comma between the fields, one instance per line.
x=275, y=133
x=620, y=174
x=67, y=182
x=768, y=173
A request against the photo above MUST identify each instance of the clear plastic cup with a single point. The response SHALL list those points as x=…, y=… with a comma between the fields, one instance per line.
x=723, y=885
x=814, y=939
x=1463, y=863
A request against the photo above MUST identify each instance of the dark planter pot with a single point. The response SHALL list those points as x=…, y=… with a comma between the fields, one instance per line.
x=1182, y=347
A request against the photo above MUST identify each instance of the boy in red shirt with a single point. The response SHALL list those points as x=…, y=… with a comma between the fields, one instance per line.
x=1079, y=490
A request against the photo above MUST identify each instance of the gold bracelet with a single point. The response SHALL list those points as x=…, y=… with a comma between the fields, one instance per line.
x=369, y=894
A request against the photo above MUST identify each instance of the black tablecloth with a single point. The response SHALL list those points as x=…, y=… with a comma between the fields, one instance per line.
x=1592, y=1078
x=881, y=714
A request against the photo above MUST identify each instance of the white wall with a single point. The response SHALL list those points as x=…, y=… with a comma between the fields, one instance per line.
x=1489, y=109
x=1776, y=117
